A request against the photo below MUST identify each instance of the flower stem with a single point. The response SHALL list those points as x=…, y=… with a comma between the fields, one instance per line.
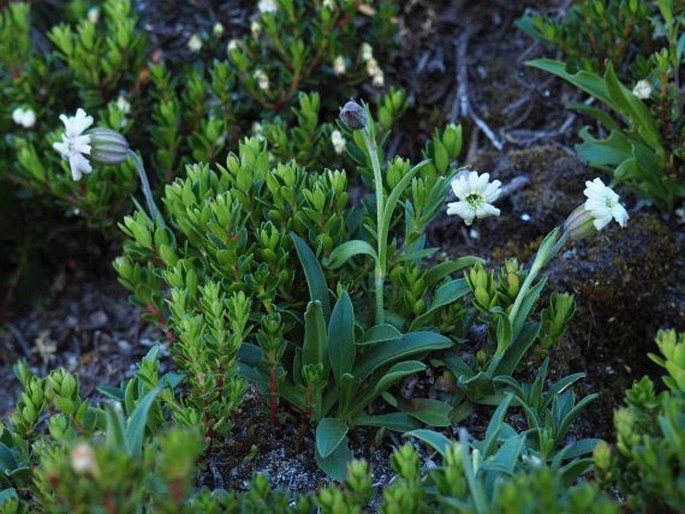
x=155, y=214
x=379, y=272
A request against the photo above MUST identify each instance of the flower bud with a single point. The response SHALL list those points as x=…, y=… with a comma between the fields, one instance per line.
x=107, y=146
x=83, y=459
x=353, y=115
x=580, y=223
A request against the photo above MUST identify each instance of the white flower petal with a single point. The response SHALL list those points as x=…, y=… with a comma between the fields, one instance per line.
x=463, y=210
x=79, y=165
x=485, y=209
x=620, y=214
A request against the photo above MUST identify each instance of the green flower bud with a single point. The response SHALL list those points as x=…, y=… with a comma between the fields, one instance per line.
x=353, y=115
x=107, y=146
x=580, y=223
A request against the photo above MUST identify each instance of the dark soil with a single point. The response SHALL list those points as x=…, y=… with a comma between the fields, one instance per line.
x=628, y=282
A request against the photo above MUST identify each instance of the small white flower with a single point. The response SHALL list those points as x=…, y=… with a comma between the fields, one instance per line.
x=195, y=43
x=378, y=80
x=329, y=4
x=366, y=51
x=93, y=14
x=123, y=105
x=218, y=29
x=258, y=131
x=603, y=204
x=83, y=459
x=372, y=67
x=266, y=6
x=256, y=29
x=232, y=45
x=476, y=194
x=339, y=65
x=75, y=145
x=262, y=79
x=338, y=142
x=643, y=89
x=24, y=117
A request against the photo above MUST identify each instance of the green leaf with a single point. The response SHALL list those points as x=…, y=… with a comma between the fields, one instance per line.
x=7, y=460
x=436, y=273
x=135, y=428
x=397, y=421
x=495, y=426
x=316, y=281
x=341, y=348
x=396, y=193
x=435, y=413
x=602, y=116
x=315, y=345
x=387, y=352
x=434, y=439
x=508, y=361
x=330, y=433
x=380, y=333
x=389, y=378
x=611, y=151
x=445, y=295
x=507, y=456
x=341, y=254
x=335, y=465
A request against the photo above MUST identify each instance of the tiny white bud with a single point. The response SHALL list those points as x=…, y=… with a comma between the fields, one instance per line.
x=24, y=117
x=378, y=80
x=93, y=14
x=232, y=45
x=338, y=142
x=372, y=67
x=195, y=43
x=218, y=29
x=83, y=459
x=123, y=105
x=643, y=89
x=267, y=6
x=262, y=79
x=255, y=28
x=329, y=4
x=339, y=65
x=366, y=51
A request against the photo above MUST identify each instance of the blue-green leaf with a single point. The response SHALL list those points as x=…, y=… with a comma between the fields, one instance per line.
x=315, y=346
x=335, y=465
x=341, y=348
x=397, y=421
x=330, y=433
x=316, y=281
x=135, y=428
x=435, y=439
x=341, y=254
x=380, y=333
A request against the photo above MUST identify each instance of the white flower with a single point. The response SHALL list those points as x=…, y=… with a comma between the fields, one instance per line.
x=75, y=144
x=24, y=117
x=255, y=28
x=329, y=4
x=123, y=105
x=366, y=51
x=93, y=14
x=339, y=65
x=476, y=194
x=195, y=43
x=603, y=204
x=338, y=142
x=262, y=79
x=643, y=89
x=378, y=80
x=232, y=45
x=266, y=6
x=372, y=67
x=218, y=29
x=83, y=459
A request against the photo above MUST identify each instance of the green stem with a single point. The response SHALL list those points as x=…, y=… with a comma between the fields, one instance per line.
x=379, y=272
x=155, y=214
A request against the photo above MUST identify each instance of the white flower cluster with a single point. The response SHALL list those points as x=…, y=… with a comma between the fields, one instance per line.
x=75, y=144
x=338, y=142
x=476, y=195
x=24, y=117
x=643, y=89
x=372, y=67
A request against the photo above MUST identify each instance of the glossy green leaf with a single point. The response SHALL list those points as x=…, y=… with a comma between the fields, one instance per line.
x=341, y=254
x=330, y=433
x=341, y=347
x=135, y=428
x=315, y=345
x=335, y=465
x=434, y=413
x=316, y=281
x=445, y=295
x=380, y=333
x=434, y=439
x=385, y=353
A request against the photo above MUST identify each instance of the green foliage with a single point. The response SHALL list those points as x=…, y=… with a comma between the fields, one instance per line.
x=645, y=125
x=648, y=462
x=257, y=231
x=594, y=32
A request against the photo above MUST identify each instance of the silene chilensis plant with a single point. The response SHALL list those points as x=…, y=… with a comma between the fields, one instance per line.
x=326, y=305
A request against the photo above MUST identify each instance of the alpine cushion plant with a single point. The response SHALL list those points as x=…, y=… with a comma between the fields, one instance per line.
x=285, y=237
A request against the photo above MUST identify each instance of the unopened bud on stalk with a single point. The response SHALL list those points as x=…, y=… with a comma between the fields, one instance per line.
x=353, y=115
x=107, y=146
